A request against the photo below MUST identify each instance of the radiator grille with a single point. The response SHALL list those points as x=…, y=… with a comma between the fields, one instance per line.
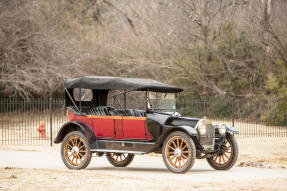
x=207, y=140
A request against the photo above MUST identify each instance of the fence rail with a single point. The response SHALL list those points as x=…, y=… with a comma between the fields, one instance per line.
x=253, y=117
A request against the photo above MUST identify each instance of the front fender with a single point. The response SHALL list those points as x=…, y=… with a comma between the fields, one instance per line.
x=231, y=130
x=187, y=129
x=75, y=126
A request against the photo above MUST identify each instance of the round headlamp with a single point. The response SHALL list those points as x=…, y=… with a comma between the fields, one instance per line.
x=202, y=129
x=222, y=129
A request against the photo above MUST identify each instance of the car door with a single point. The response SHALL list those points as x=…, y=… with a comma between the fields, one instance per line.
x=104, y=126
x=134, y=127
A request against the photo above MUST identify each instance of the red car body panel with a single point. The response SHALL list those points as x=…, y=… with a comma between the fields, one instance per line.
x=103, y=128
x=134, y=128
x=115, y=127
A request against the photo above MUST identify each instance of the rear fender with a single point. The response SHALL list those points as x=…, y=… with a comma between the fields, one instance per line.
x=75, y=126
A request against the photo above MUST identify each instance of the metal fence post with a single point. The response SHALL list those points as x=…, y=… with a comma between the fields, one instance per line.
x=233, y=99
x=285, y=105
x=51, y=121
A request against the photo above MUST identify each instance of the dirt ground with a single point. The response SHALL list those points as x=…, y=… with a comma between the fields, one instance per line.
x=40, y=167
x=39, y=179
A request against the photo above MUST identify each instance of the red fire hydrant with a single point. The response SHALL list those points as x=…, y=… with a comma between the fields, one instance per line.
x=42, y=130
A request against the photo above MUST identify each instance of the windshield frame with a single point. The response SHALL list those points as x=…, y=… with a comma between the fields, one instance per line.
x=151, y=107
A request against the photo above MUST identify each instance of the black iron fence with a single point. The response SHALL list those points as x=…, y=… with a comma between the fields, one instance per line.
x=38, y=121
x=253, y=116
x=30, y=122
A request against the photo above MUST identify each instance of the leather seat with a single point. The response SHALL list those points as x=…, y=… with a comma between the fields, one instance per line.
x=118, y=112
x=100, y=110
x=140, y=113
x=129, y=112
x=107, y=111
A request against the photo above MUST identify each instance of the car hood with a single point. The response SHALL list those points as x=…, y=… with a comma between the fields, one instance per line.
x=172, y=119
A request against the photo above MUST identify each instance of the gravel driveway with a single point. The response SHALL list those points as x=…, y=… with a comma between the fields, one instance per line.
x=144, y=172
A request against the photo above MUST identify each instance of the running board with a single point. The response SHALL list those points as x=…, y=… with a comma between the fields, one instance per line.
x=123, y=146
x=116, y=151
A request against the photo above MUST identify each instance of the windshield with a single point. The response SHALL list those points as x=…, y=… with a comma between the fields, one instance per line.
x=162, y=101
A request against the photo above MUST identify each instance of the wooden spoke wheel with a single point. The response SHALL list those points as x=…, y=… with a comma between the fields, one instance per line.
x=179, y=152
x=120, y=159
x=75, y=151
x=226, y=156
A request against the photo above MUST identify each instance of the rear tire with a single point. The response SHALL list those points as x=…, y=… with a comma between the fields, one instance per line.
x=120, y=159
x=75, y=151
x=178, y=152
x=225, y=159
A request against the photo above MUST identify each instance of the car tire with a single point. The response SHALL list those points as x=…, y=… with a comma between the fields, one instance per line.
x=228, y=155
x=120, y=159
x=75, y=151
x=178, y=148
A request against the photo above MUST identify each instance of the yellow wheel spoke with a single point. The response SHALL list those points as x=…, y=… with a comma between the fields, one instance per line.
x=69, y=145
x=177, y=142
x=180, y=146
x=184, y=147
x=174, y=144
x=175, y=161
x=76, y=160
x=226, y=156
x=171, y=147
x=172, y=157
x=81, y=147
x=223, y=159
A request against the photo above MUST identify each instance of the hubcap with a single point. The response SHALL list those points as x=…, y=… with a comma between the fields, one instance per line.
x=75, y=151
x=177, y=152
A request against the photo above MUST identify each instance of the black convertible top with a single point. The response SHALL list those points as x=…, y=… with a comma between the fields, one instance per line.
x=108, y=83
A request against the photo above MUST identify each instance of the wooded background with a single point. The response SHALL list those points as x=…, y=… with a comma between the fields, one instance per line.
x=208, y=47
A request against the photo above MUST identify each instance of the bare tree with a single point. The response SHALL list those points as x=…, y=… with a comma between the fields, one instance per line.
x=211, y=47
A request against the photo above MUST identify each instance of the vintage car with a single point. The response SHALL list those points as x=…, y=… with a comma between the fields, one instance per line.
x=97, y=126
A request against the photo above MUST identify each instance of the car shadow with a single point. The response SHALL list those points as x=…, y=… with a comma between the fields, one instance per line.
x=136, y=169
x=128, y=169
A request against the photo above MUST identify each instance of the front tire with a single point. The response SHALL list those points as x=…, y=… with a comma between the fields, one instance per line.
x=178, y=152
x=120, y=159
x=227, y=156
x=75, y=151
